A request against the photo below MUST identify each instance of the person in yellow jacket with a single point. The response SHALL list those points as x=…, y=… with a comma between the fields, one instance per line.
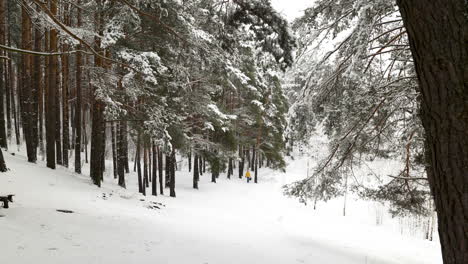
x=247, y=175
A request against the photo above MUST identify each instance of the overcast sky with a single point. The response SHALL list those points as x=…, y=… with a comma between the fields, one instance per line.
x=291, y=9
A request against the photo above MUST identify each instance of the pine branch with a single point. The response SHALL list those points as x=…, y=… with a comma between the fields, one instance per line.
x=37, y=53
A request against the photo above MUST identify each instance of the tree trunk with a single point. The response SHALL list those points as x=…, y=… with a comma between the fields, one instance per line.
x=167, y=176
x=154, y=187
x=256, y=169
x=241, y=162
x=27, y=87
x=254, y=158
x=79, y=98
x=195, y=171
x=150, y=160
x=114, y=150
x=145, y=166
x=98, y=125
x=8, y=77
x=121, y=154
x=189, y=158
x=141, y=186
x=204, y=164
x=58, y=124
x=65, y=91
x=51, y=93
x=3, y=167
x=230, y=169
x=3, y=136
x=200, y=165
x=160, y=168
x=38, y=93
x=172, y=181
x=438, y=36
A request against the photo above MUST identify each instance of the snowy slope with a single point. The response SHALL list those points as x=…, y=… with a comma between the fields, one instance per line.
x=227, y=222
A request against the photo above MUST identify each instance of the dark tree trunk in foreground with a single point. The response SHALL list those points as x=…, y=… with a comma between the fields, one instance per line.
x=3, y=167
x=160, y=169
x=51, y=93
x=145, y=167
x=167, y=175
x=256, y=169
x=438, y=36
x=172, y=172
x=241, y=162
x=28, y=113
x=65, y=91
x=141, y=186
x=189, y=160
x=195, y=171
x=121, y=154
x=98, y=127
x=254, y=158
x=154, y=187
x=114, y=150
x=78, y=103
x=3, y=81
x=230, y=169
x=200, y=165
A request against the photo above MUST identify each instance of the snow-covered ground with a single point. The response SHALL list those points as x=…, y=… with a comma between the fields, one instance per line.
x=227, y=222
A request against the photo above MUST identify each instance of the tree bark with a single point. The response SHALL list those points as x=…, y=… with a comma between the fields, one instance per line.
x=172, y=171
x=154, y=187
x=38, y=93
x=141, y=186
x=98, y=125
x=27, y=101
x=65, y=91
x=195, y=171
x=79, y=99
x=145, y=166
x=3, y=136
x=241, y=162
x=3, y=167
x=230, y=169
x=160, y=169
x=189, y=158
x=438, y=36
x=114, y=150
x=51, y=94
x=167, y=175
x=121, y=154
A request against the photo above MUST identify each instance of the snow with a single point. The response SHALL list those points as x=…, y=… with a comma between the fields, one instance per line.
x=227, y=222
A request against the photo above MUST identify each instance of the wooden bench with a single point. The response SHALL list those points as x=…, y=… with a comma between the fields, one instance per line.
x=6, y=199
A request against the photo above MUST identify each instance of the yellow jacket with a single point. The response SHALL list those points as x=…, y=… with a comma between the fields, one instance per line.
x=247, y=174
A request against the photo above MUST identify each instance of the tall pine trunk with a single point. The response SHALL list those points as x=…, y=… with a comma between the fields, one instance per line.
x=154, y=187
x=65, y=91
x=121, y=154
x=195, y=171
x=3, y=136
x=79, y=99
x=38, y=93
x=241, y=162
x=114, y=150
x=141, y=186
x=160, y=169
x=51, y=93
x=172, y=158
x=167, y=175
x=438, y=36
x=98, y=106
x=26, y=98
x=145, y=166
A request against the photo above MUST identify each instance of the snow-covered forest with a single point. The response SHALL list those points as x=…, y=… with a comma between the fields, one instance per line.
x=229, y=131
